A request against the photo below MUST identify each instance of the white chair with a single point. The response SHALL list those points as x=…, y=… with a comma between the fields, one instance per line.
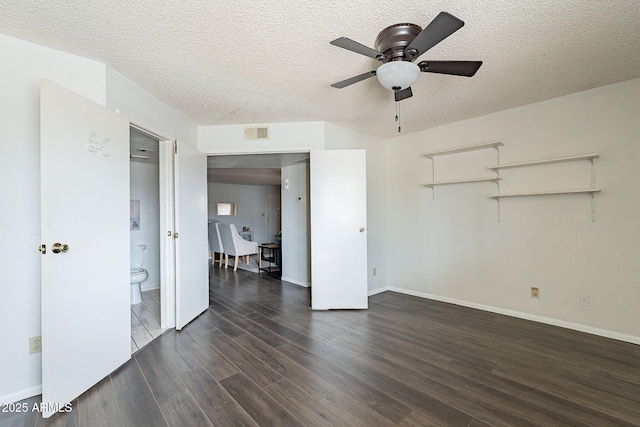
x=215, y=243
x=235, y=245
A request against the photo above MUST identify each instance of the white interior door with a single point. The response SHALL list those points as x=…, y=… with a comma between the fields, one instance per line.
x=338, y=200
x=86, y=326
x=191, y=236
x=167, y=241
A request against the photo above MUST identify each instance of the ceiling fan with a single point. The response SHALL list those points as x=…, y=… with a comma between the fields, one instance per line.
x=399, y=45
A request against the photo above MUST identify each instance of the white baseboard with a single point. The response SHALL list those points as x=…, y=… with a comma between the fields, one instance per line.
x=540, y=319
x=23, y=394
x=377, y=291
x=295, y=282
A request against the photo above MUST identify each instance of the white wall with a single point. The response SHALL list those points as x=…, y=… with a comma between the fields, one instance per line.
x=250, y=201
x=23, y=66
x=284, y=137
x=145, y=187
x=453, y=248
x=146, y=111
x=338, y=137
x=296, y=232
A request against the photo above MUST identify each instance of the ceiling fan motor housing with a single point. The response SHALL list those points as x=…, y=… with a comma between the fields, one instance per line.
x=393, y=40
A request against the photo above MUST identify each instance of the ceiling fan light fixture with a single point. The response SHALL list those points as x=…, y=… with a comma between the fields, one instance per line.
x=397, y=75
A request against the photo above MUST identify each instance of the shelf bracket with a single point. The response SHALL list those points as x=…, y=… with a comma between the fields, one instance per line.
x=433, y=177
x=593, y=185
x=497, y=147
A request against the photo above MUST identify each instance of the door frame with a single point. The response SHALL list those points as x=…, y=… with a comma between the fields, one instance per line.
x=167, y=221
x=300, y=150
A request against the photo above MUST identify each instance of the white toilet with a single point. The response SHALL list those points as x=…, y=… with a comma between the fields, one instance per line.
x=138, y=274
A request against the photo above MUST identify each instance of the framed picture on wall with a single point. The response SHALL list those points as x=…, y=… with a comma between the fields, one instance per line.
x=135, y=214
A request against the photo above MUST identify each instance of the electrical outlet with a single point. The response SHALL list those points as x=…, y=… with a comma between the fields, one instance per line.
x=35, y=344
x=374, y=271
x=535, y=293
x=583, y=299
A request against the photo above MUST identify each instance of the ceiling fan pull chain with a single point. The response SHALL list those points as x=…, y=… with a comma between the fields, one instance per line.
x=398, y=114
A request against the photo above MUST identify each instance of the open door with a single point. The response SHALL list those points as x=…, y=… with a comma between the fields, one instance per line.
x=86, y=329
x=192, y=249
x=338, y=200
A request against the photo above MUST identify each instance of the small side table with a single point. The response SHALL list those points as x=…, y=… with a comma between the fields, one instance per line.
x=271, y=253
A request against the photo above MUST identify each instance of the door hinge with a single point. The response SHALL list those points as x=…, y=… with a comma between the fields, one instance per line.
x=43, y=249
x=175, y=147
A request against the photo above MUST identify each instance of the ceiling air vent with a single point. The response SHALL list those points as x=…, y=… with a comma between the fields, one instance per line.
x=256, y=133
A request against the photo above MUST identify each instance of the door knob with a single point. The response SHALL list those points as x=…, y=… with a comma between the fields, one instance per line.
x=362, y=229
x=56, y=248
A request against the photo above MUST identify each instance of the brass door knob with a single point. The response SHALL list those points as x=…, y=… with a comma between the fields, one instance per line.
x=56, y=248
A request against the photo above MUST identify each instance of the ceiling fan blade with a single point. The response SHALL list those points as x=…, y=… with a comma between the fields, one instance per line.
x=403, y=94
x=353, y=80
x=356, y=47
x=439, y=29
x=457, y=68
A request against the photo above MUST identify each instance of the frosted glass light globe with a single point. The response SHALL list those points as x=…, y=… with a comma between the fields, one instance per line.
x=398, y=74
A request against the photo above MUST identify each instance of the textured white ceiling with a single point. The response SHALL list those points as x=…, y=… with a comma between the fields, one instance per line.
x=242, y=61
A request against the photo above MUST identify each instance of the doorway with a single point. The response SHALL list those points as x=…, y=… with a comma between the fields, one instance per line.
x=145, y=235
x=271, y=191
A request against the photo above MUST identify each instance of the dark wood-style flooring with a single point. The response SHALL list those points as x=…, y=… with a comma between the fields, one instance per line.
x=260, y=356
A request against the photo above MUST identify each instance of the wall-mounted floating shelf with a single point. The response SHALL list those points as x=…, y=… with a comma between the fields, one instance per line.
x=463, y=181
x=590, y=191
x=546, y=162
x=494, y=144
x=546, y=193
x=432, y=154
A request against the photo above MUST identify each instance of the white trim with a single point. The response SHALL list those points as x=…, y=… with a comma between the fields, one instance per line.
x=295, y=282
x=142, y=127
x=22, y=394
x=167, y=243
x=540, y=319
x=254, y=150
x=377, y=291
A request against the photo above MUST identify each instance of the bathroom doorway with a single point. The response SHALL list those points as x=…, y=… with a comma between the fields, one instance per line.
x=145, y=229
